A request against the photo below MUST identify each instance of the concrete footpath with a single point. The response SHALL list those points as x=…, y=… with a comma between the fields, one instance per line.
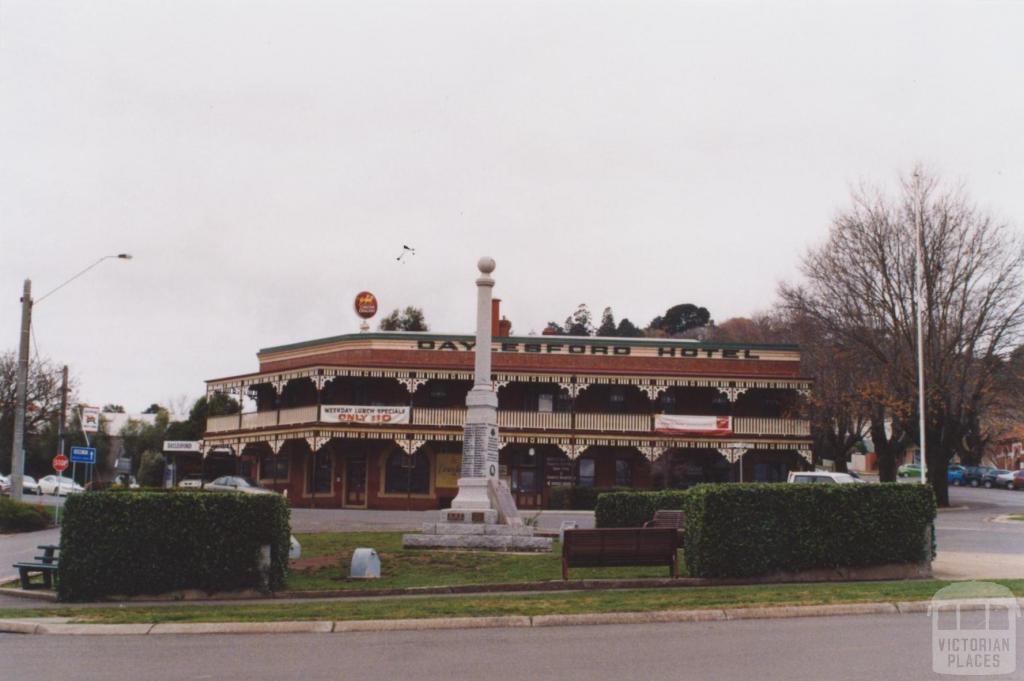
x=64, y=626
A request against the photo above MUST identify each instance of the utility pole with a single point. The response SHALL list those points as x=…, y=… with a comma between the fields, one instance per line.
x=21, y=395
x=921, y=295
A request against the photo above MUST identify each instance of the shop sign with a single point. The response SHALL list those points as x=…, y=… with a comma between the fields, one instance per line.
x=343, y=413
x=677, y=424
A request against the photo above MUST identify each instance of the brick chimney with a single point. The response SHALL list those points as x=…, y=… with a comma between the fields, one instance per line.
x=500, y=327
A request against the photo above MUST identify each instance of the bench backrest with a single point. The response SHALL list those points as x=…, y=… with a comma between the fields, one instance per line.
x=665, y=518
x=619, y=546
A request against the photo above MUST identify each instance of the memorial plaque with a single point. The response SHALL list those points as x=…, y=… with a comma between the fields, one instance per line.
x=480, y=444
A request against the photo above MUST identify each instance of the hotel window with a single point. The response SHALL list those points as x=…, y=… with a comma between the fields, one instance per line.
x=585, y=477
x=273, y=467
x=623, y=473
x=616, y=401
x=407, y=474
x=438, y=395
x=320, y=474
x=545, y=402
x=668, y=402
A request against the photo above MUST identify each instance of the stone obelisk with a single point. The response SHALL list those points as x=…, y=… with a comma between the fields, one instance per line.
x=483, y=514
x=480, y=446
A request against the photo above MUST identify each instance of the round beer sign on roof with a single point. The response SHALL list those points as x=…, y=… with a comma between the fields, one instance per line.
x=366, y=304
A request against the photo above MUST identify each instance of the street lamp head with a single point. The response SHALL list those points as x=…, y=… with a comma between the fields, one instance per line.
x=124, y=256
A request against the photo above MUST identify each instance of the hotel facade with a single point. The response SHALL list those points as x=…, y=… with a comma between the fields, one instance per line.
x=374, y=420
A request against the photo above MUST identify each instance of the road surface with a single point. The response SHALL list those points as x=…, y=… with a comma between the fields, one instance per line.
x=804, y=649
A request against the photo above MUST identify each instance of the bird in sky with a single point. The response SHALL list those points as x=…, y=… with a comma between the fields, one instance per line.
x=406, y=250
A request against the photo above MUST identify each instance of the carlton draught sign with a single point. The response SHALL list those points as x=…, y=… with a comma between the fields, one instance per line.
x=366, y=304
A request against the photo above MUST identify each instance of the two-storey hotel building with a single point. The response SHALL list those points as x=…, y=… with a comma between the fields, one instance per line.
x=374, y=420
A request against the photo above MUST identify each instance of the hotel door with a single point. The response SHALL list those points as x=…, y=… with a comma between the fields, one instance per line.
x=355, y=481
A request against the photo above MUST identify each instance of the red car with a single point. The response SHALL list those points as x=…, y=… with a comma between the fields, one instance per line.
x=1017, y=481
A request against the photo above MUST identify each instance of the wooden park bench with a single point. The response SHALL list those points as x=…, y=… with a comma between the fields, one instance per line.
x=668, y=518
x=617, y=546
x=46, y=566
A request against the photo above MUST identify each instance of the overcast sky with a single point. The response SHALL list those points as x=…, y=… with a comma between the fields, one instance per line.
x=265, y=161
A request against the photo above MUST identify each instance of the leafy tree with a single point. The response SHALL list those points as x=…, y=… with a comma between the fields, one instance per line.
x=152, y=409
x=627, y=329
x=409, y=319
x=219, y=404
x=607, y=327
x=554, y=329
x=680, y=318
x=113, y=409
x=151, y=469
x=579, y=323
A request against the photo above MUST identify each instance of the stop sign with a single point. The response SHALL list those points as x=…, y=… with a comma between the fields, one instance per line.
x=60, y=463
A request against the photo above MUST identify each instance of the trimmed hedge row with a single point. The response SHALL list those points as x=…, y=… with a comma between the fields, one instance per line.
x=132, y=542
x=17, y=516
x=743, y=530
x=633, y=509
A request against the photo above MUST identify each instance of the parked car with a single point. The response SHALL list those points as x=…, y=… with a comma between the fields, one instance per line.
x=974, y=474
x=191, y=482
x=1005, y=479
x=235, y=483
x=28, y=485
x=1016, y=481
x=990, y=478
x=909, y=470
x=827, y=477
x=955, y=475
x=50, y=484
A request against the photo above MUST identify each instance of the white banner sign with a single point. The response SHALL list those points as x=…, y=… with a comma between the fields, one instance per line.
x=91, y=419
x=343, y=413
x=183, y=446
x=692, y=425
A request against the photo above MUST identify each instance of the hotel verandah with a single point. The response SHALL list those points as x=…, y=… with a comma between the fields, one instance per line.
x=374, y=420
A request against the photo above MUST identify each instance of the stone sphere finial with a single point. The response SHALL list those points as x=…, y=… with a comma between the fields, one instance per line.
x=486, y=264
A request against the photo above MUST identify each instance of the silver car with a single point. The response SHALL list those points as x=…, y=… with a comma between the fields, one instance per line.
x=234, y=483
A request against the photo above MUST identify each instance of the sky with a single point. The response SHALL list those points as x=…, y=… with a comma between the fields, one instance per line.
x=265, y=161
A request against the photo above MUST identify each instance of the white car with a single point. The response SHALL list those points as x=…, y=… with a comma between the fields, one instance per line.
x=191, y=482
x=28, y=485
x=1005, y=479
x=50, y=483
x=234, y=483
x=827, y=477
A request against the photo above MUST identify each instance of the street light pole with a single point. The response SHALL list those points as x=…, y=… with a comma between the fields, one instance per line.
x=21, y=390
x=18, y=449
x=921, y=294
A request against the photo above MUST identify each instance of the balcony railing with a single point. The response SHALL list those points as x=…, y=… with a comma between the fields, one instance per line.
x=455, y=417
x=746, y=425
x=535, y=420
x=616, y=423
x=310, y=414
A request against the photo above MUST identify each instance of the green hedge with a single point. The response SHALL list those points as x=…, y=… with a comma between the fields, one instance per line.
x=132, y=542
x=17, y=516
x=743, y=530
x=632, y=508
x=578, y=498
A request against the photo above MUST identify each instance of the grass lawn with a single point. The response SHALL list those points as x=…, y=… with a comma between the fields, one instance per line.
x=402, y=568
x=531, y=604
x=1018, y=516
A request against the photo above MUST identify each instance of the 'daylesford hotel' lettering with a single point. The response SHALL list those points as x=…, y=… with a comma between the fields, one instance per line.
x=591, y=349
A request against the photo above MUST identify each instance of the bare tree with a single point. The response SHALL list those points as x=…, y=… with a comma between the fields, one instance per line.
x=42, y=400
x=861, y=288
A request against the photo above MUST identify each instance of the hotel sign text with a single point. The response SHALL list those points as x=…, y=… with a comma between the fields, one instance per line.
x=594, y=349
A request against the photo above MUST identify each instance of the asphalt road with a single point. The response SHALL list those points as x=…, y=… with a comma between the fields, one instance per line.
x=805, y=649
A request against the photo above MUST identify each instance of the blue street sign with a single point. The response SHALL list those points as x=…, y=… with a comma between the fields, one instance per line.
x=83, y=454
